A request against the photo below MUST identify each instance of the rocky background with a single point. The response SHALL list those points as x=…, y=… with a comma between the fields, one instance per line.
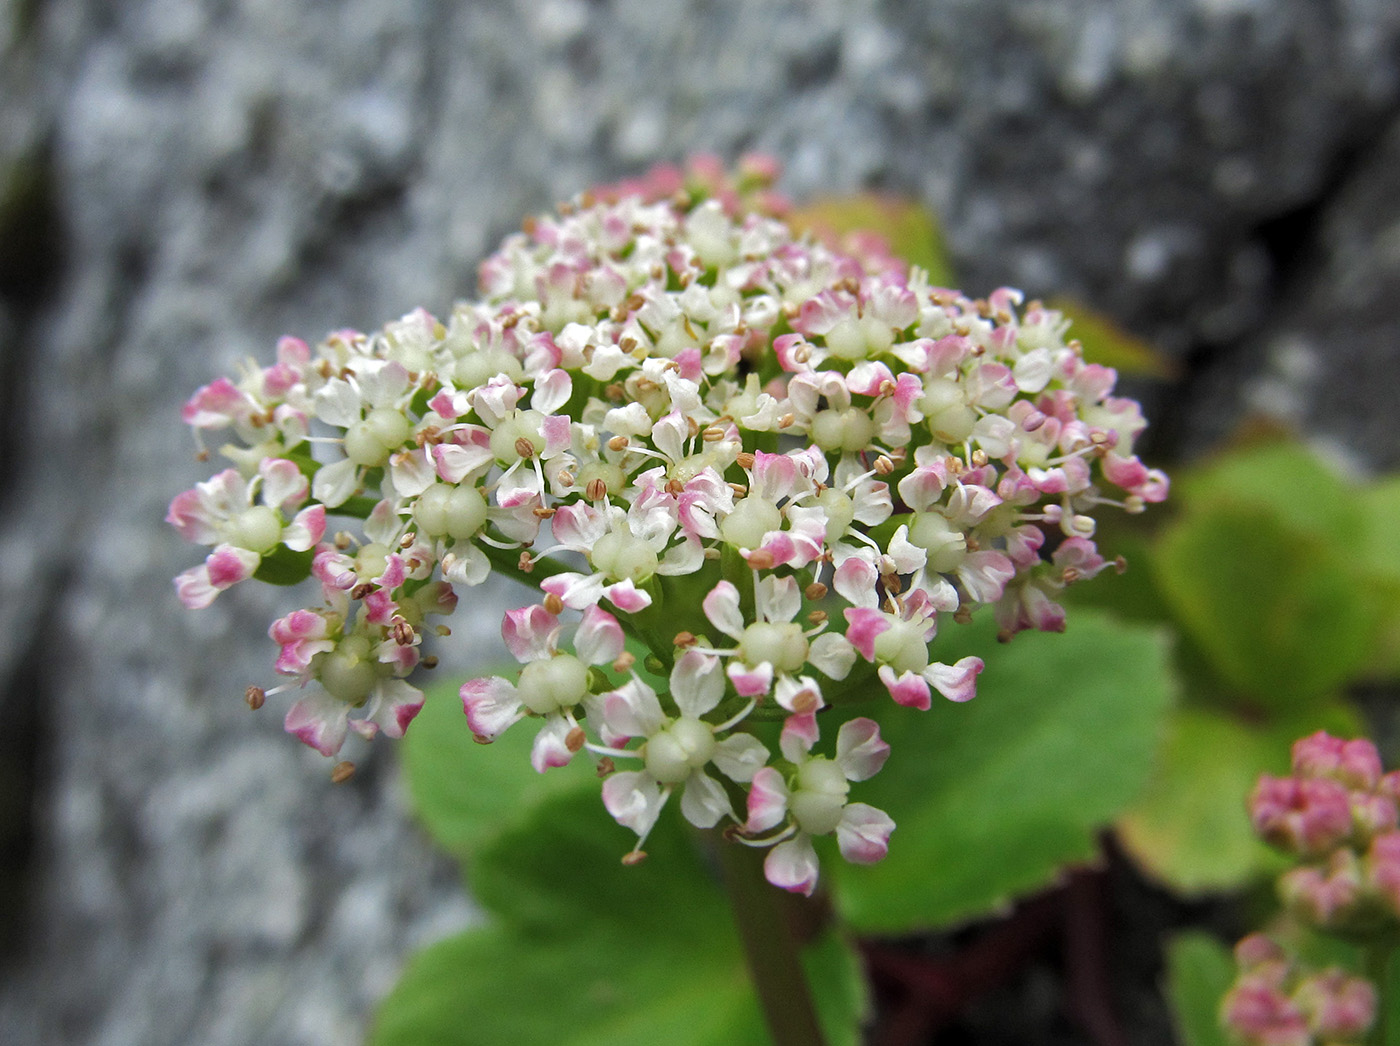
x=181, y=181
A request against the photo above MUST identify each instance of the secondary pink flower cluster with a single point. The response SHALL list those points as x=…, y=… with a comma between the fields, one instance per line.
x=1338, y=814
x=1276, y=1002
x=774, y=464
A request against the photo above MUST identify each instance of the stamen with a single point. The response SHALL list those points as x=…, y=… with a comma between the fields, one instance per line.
x=342, y=771
x=255, y=696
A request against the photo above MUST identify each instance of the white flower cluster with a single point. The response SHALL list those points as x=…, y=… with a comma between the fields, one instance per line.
x=772, y=463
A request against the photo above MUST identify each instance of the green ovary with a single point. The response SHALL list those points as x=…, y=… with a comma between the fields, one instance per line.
x=453, y=512
x=945, y=544
x=902, y=647
x=349, y=672
x=257, y=529
x=623, y=557
x=849, y=430
x=553, y=683
x=750, y=520
x=369, y=442
x=680, y=749
x=819, y=796
x=780, y=643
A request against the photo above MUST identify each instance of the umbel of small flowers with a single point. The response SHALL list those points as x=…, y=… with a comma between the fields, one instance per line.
x=1275, y=1001
x=1336, y=815
x=776, y=464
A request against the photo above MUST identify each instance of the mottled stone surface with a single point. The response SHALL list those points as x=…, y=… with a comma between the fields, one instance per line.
x=1218, y=174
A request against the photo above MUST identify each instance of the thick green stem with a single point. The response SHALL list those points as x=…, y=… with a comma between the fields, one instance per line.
x=770, y=947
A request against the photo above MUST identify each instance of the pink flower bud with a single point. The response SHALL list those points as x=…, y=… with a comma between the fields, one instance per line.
x=1256, y=950
x=1258, y=1013
x=1382, y=869
x=1355, y=764
x=1372, y=814
x=1324, y=897
x=1307, y=817
x=1339, y=1007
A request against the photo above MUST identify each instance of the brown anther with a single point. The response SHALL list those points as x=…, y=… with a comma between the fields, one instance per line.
x=431, y=434
x=761, y=559
x=712, y=554
x=529, y=225
x=634, y=858
x=674, y=487
x=1070, y=575
x=692, y=426
x=817, y=617
x=596, y=490
x=745, y=460
x=787, y=421
x=343, y=541
x=342, y=771
x=325, y=369
x=618, y=443
x=712, y=434
x=802, y=353
x=542, y=512
x=625, y=661
x=431, y=661
x=805, y=701
x=407, y=540
x=481, y=739
x=685, y=640
x=574, y=739
x=739, y=489
x=605, y=767
x=553, y=604
x=973, y=544
x=442, y=631
x=892, y=584
x=402, y=632
x=979, y=458
x=963, y=615
x=524, y=448
x=1119, y=564
x=899, y=455
x=255, y=696
x=887, y=387
x=883, y=465
x=361, y=590
x=201, y=455
x=790, y=310
x=526, y=564
x=565, y=479
x=815, y=591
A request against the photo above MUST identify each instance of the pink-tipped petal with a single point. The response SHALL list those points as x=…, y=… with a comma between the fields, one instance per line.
x=860, y=752
x=792, y=865
x=864, y=833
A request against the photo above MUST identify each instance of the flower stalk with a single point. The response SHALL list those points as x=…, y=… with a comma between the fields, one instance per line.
x=772, y=951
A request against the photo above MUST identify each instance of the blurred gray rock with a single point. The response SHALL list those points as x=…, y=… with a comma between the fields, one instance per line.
x=205, y=176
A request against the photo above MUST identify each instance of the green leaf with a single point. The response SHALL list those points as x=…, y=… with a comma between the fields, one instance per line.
x=1200, y=971
x=908, y=228
x=284, y=566
x=1273, y=606
x=590, y=952
x=994, y=796
x=1106, y=343
x=1189, y=829
x=467, y=794
x=1380, y=561
x=1282, y=479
